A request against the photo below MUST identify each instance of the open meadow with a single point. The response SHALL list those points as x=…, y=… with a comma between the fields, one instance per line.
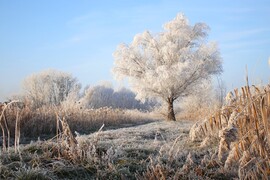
x=134, y=90
x=231, y=143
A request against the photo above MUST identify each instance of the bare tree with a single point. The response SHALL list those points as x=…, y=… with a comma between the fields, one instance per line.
x=170, y=64
x=49, y=87
x=221, y=91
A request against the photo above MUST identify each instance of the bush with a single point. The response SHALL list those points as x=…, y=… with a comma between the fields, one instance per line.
x=105, y=96
x=49, y=87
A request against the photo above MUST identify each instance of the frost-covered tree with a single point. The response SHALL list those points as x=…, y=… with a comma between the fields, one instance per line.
x=220, y=91
x=170, y=64
x=97, y=96
x=201, y=103
x=105, y=95
x=49, y=87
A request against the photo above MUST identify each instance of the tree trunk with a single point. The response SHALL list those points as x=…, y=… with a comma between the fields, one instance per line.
x=171, y=115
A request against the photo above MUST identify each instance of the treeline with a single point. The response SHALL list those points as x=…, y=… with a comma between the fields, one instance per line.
x=54, y=88
x=60, y=89
x=106, y=96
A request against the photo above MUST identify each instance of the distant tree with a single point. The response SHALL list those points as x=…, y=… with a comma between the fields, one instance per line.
x=97, y=96
x=106, y=96
x=170, y=64
x=125, y=98
x=49, y=87
x=221, y=91
x=200, y=103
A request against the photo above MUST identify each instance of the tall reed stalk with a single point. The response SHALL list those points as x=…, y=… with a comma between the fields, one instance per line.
x=243, y=129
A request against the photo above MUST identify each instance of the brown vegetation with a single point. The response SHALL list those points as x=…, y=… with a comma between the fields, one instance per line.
x=242, y=128
x=41, y=122
x=232, y=143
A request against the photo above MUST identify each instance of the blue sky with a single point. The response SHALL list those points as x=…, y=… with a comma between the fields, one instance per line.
x=80, y=36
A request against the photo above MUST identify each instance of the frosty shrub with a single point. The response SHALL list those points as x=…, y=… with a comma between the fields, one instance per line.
x=106, y=96
x=170, y=64
x=49, y=87
x=204, y=101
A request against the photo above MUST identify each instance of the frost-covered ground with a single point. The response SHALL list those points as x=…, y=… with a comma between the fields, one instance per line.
x=131, y=149
x=145, y=151
x=148, y=136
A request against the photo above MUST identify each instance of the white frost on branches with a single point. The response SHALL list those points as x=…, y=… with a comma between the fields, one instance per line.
x=49, y=87
x=169, y=64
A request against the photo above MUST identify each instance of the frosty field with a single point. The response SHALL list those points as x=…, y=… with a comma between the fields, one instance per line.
x=134, y=90
x=231, y=143
x=119, y=153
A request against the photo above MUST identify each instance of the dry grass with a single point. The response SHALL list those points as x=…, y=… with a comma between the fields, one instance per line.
x=113, y=154
x=62, y=156
x=242, y=127
x=194, y=114
x=25, y=124
x=232, y=143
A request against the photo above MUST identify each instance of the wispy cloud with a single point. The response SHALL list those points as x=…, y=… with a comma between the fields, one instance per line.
x=225, y=10
x=75, y=39
x=78, y=38
x=239, y=35
x=247, y=45
x=80, y=19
